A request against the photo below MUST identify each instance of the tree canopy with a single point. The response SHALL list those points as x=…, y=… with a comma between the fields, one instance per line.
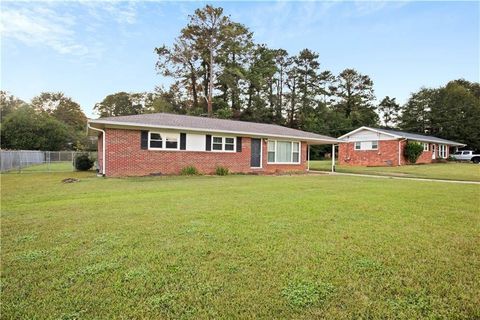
x=51, y=121
x=218, y=70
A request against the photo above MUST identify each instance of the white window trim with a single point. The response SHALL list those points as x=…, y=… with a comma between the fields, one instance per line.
x=426, y=146
x=291, y=154
x=223, y=144
x=371, y=144
x=442, y=151
x=164, y=141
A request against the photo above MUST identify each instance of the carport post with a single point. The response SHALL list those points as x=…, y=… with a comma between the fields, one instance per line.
x=333, y=158
x=308, y=157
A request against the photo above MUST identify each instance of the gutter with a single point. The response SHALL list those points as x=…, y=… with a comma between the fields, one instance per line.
x=103, y=147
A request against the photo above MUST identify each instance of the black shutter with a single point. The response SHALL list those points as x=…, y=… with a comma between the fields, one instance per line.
x=144, y=140
x=208, y=142
x=239, y=144
x=183, y=141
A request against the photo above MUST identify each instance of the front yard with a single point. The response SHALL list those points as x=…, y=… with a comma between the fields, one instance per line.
x=301, y=247
x=447, y=171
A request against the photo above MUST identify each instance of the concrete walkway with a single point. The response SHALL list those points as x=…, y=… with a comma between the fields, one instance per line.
x=392, y=177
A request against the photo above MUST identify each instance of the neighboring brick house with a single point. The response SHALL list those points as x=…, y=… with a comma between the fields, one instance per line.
x=381, y=147
x=163, y=143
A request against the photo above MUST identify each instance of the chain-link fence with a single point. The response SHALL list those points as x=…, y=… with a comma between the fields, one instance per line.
x=39, y=161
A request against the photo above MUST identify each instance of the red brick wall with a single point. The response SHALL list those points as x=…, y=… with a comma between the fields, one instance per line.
x=387, y=154
x=124, y=157
x=387, y=151
x=426, y=156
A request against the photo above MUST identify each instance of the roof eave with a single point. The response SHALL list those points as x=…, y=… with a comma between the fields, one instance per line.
x=258, y=134
x=370, y=129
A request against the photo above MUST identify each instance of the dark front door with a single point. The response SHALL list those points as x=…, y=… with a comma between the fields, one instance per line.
x=255, y=158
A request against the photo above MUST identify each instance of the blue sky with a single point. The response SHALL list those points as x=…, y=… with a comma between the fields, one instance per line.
x=91, y=49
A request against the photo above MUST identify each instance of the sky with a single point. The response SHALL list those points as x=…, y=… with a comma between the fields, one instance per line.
x=89, y=49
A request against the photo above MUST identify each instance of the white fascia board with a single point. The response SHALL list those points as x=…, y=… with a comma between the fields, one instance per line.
x=370, y=129
x=253, y=134
x=438, y=142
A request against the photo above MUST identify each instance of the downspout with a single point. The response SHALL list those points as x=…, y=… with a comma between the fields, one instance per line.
x=103, y=147
x=399, y=150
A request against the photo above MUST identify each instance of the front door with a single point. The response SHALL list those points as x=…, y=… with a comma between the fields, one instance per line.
x=434, y=151
x=256, y=156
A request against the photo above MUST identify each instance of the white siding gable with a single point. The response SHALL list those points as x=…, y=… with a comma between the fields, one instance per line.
x=367, y=135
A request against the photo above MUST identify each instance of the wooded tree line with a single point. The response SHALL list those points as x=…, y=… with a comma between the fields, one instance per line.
x=219, y=71
x=51, y=121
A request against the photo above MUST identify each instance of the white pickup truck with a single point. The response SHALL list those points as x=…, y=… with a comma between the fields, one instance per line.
x=466, y=155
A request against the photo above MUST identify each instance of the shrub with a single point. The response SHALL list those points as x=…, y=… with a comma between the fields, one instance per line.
x=83, y=162
x=189, y=171
x=221, y=171
x=412, y=151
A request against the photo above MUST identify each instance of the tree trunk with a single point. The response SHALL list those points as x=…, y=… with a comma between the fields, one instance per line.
x=193, y=79
x=210, y=86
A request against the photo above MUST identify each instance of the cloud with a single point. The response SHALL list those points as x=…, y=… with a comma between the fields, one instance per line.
x=41, y=26
x=69, y=28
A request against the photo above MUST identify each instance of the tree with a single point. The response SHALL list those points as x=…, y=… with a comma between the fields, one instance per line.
x=455, y=113
x=118, y=104
x=259, y=79
x=62, y=108
x=29, y=129
x=389, y=110
x=451, y=112
x=355, y=98
x=8, y=104
x=206, y=31
x=416, y=112
x=233, y=57
x=182, y=63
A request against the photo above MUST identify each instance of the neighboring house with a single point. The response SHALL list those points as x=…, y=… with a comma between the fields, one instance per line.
x=162, y=143
x=381, y=147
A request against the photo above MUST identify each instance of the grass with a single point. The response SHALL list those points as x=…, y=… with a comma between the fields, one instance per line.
x=447, y=171
x=238, y=247
x=57, y=166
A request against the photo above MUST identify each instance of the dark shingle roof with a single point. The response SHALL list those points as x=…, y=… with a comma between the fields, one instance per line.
x=175, y=121
x=418, y=137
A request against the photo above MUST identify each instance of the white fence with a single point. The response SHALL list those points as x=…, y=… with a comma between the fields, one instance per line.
x=39, y=161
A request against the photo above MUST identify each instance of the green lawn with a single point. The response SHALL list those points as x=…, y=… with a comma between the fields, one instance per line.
x=448, y=171
x=56, y=166
x=238, y=247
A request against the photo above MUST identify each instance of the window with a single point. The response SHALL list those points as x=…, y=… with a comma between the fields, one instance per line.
x=442, y=151
x=163, y=141
x=296, y=152
x=171, y=141
x=223, y=144
x=271, y=150
x=156, y=140
x=229, y=144
x=283, y=151
x=217, y=143
x=366, y=145
x=425, y=146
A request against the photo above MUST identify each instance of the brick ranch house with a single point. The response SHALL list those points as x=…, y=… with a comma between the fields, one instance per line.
x=367, y=146
x=162, y=143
